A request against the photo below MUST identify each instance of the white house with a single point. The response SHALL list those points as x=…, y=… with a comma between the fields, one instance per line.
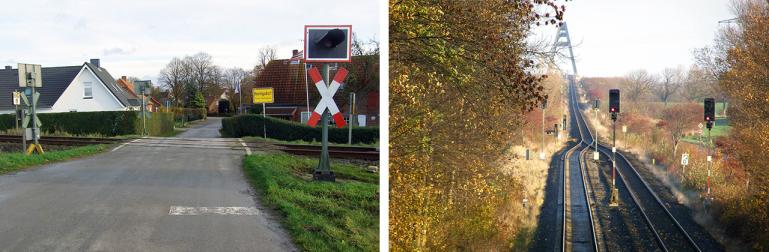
x=84, y=88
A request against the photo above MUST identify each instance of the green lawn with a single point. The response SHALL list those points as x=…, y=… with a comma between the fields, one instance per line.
x=272, y=140
x=11, y=162
x=321, y=216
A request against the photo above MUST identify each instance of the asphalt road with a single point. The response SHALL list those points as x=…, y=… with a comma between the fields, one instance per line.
x=159, y=194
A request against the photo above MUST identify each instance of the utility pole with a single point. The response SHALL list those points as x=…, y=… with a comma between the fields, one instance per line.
x=542, y=152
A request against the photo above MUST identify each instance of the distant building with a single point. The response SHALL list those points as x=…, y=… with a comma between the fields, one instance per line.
x=83, y=88
x=134, y=92
x=290, y=85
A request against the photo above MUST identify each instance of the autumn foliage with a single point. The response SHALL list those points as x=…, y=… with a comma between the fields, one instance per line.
x=460, y=80
x=746, y=83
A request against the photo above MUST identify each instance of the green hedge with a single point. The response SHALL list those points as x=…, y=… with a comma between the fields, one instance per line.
x=107, y=123
x=251, y=125
x=189, y=114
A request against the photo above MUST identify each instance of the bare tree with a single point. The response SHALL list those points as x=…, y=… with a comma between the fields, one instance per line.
x=680, y=119
x=637, y=84
x=668, y=84
x=359, y=48
x=266, y=54
x=173, y=77
x=693, y=87
x=234, y=77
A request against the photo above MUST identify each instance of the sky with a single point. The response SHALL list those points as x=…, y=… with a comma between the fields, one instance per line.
x=614, y=37
x=138, y=38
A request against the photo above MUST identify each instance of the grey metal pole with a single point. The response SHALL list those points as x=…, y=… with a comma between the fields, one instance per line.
x=240, y=98
x=264, y=119
x=23, y=133
x=323, y=171
x=542, y=152
x=34, y=119
x=352, y=117
x=144, y=115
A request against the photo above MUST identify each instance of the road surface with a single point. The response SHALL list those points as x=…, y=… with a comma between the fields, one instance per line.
x=158, y=194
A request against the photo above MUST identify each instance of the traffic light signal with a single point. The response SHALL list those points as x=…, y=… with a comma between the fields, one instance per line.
x=710, y=110
x=614, y=100
x=327, y=43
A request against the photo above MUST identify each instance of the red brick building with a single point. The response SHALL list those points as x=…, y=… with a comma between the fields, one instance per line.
x=291, y=85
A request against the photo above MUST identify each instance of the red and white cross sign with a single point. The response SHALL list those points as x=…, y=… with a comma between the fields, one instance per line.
x=327, y=97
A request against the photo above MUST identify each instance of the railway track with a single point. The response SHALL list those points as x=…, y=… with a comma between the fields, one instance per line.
x=579, y=229
x=68, y=141
x=342, y=152
x=668, y=232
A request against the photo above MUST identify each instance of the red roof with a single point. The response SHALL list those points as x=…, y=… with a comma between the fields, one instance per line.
x=288, y=83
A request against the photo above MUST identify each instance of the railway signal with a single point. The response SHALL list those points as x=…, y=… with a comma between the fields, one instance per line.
x=327, y=44
x=614, y=110
x=710, y=118
x=30, y=77
x=596, y=106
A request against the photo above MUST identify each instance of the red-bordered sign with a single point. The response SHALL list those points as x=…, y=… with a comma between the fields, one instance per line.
x=308, y=50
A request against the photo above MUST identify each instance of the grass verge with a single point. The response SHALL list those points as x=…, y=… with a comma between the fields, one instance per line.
x=321, y=216
x=272, y=140
x=11, y=162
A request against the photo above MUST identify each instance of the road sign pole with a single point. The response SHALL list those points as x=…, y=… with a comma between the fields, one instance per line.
x=34, y=121
x=352, y=117
x=23, y=132
x=323, y=171
x=264, y=119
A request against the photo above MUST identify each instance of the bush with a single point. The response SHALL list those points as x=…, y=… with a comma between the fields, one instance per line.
x=252, y=125
x=107, y=123
x=187, y=114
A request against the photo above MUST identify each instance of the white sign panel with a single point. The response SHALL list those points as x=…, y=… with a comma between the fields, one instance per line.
x=34, y=71
x=16, y=98
x=685, y=159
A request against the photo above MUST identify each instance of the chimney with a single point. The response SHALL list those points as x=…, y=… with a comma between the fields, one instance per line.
x=95, y=62
x=294, y=52
x=8, y=68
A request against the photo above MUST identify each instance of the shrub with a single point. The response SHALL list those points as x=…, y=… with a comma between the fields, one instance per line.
x=252, y=125
x=107, y=123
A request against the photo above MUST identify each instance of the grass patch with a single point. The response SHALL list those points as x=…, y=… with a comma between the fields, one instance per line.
x=11, y=162
x=272, y=140
x=321, y=216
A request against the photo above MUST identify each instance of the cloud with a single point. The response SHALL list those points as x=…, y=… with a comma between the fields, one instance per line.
x=118, y=51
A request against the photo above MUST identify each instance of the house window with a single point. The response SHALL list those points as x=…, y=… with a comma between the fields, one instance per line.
x=87, y=90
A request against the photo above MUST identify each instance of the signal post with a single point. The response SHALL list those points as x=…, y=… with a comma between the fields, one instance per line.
x=614, y=110
x=326, y=44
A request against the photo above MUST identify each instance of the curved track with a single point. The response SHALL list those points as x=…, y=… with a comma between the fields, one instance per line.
x=579, y=232
x=669, y=233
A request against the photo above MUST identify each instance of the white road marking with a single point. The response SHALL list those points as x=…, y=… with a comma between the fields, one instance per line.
x=184, y=210
x=248, y=150
x=121, y=146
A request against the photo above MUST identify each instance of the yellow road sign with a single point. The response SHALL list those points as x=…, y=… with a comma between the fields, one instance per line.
x=263, y=95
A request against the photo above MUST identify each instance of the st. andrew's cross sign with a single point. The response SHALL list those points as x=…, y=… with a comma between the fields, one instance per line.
x=326, y=44
x=327, y=97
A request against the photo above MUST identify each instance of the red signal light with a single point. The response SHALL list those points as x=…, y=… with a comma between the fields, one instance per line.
x=707, y=118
